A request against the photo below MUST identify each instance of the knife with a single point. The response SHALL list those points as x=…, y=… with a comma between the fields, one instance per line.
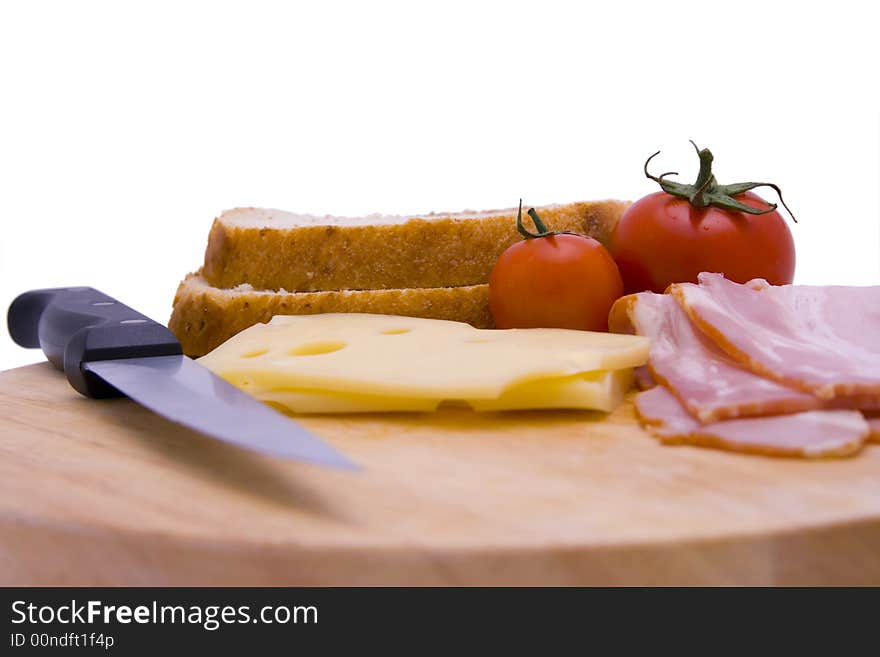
x=106, y=349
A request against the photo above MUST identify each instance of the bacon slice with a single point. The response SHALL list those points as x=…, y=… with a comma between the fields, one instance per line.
x=811, y=434
x=822, y=340
x=710, y=384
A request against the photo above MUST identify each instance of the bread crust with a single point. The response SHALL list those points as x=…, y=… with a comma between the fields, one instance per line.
x=205, y=316
x=431, y=252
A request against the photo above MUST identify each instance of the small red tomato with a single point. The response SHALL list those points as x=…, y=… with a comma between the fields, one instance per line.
x=672, y=235
x=553, y=280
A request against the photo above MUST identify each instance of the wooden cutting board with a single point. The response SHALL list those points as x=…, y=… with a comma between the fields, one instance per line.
x=106, y=493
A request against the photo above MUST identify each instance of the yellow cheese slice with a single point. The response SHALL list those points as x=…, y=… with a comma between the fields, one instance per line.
x=601, y=391
x=412, y=358
x=329, y=401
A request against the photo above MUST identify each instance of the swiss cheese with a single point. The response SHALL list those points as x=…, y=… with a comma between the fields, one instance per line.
x=362, y=362
x=602, y=391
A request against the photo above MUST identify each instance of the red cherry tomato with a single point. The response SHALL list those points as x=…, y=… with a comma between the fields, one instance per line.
x=554, y=281
x=663, y=238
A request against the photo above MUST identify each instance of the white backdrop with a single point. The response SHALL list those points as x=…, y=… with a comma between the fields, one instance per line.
x=124, y=130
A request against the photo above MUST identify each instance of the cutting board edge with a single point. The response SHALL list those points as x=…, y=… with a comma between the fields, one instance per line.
x=132, y=558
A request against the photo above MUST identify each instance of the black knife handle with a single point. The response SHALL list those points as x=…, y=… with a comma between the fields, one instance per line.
x=77, y=325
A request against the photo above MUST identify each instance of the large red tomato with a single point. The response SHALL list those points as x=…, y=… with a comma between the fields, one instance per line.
x=553, y=280
x=667, y=238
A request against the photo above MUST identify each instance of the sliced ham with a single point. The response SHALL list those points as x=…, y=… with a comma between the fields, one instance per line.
x=710, y=384
x=644, y=378
x=874, y=426
x=809, y=434
x=822, y=340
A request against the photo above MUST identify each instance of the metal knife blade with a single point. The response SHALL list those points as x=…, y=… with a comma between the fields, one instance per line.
x=183, y=391
x=106, y=349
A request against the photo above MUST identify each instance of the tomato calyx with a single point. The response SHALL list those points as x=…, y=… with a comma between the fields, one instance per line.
x=542, y=229
x=706, y=191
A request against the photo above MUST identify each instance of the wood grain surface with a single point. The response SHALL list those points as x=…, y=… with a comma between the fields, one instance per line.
x=106, y=493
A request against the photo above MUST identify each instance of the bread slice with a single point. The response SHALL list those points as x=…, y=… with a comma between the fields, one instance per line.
x=273, y=250
x=205, y=316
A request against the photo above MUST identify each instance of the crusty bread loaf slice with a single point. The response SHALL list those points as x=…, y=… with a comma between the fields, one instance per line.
x=205, y=316
x=272, y=249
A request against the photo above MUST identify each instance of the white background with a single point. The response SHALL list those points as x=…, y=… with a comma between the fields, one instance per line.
x=125, y=129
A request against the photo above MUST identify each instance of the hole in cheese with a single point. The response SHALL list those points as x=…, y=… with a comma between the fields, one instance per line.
x=317, y=348
x=255, y=353
x=396, y=331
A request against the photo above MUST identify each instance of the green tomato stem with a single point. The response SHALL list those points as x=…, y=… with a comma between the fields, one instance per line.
x=706, y=191
x=540, y=227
